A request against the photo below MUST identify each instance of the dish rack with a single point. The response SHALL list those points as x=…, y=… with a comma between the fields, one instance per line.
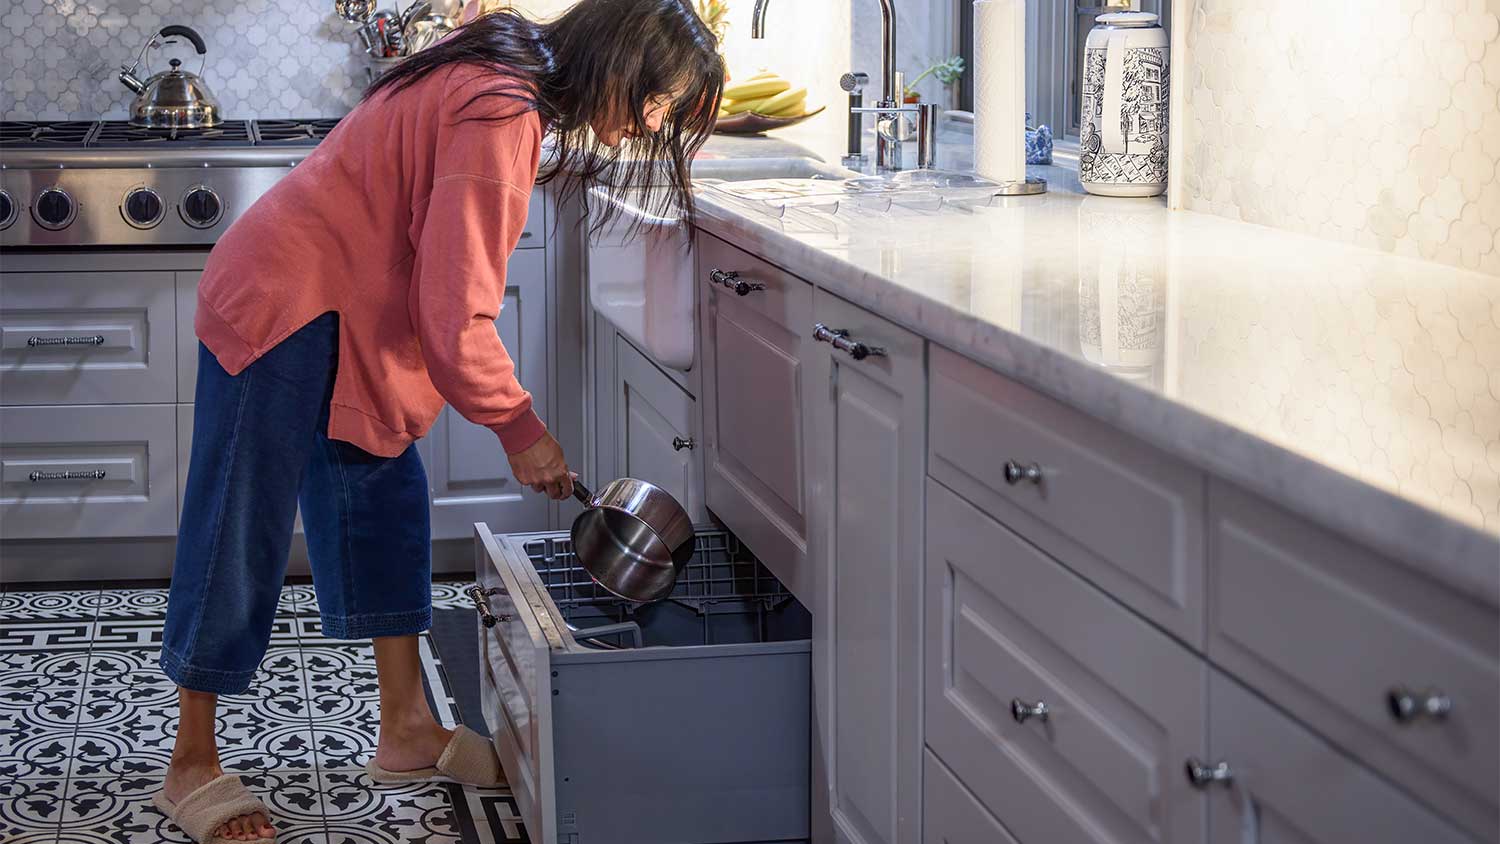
x=724, y=595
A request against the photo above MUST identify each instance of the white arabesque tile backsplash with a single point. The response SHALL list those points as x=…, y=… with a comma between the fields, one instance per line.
x=266, y=58
x=1369, y=123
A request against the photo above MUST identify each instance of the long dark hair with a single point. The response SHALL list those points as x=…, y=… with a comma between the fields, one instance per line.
x=602, y=60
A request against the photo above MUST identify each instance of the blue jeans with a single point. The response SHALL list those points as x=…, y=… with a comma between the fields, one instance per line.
x=260, y=445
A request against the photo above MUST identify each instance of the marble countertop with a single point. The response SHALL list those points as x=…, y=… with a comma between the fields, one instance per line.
x=1356, y=388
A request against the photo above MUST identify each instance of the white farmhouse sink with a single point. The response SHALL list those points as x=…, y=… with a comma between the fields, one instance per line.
x=640, y=268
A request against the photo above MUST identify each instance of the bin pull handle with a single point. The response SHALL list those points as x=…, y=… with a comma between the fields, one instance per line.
x=480, y=596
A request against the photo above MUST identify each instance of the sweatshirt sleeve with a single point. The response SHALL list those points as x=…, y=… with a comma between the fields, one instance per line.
x=472, y=221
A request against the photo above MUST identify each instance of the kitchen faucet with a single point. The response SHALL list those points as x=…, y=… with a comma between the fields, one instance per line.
x=888, y=139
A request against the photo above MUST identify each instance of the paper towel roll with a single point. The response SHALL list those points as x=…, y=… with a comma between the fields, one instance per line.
x=1000, y=89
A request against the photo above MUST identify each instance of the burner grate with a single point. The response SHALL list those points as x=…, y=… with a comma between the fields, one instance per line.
x=29, y=133
x=292, y=132
x=118, y=133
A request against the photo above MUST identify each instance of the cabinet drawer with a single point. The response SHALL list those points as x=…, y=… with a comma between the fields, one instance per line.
x=1328, y=629
x=1007, y=628
x=1290, y=787
x=951, y=814
x=88, y=338
x=752, y=415
x=702, y=703
x=187, y=337
x=88, y=471
x=1114, y=510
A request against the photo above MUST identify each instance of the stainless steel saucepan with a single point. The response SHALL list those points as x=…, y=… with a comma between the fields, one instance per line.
x=633, y=538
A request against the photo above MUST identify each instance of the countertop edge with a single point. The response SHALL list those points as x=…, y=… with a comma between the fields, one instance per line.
x=1465, y=558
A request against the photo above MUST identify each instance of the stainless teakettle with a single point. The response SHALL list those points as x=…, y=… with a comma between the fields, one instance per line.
x=172, y=99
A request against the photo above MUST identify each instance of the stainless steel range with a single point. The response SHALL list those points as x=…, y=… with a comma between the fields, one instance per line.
x=108, y=183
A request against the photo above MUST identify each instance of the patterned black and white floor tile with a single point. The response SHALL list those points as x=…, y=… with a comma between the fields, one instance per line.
x=87, y=720
x=128, y=603
x=450, y=595
x=15, y=606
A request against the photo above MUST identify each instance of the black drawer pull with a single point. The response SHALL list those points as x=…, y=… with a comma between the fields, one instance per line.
x=90, y=340
x=732, y=281
x=95, y=475
x=839, y=339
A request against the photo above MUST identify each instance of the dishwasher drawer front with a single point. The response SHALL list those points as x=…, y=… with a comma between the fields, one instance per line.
x=516, y=687
x=699, y=745
x=678, y=741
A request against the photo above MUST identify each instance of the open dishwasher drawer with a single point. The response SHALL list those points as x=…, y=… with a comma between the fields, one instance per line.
x=684, y=721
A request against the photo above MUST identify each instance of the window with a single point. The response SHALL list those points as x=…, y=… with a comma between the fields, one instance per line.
x=1056, y=31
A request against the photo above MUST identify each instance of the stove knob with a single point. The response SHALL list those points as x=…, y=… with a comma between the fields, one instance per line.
x=201, y=207
x=7, y=210
x=143, y=208
x=54, y=209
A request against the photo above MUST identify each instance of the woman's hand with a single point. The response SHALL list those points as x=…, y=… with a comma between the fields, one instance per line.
x=543, y=468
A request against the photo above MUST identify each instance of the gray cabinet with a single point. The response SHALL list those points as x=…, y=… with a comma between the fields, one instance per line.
x=88, y=338
x=1118, y=512
x=867, y=419
x=88, y=471
x=752, y=353
x=466, y=467
x=951, y=814
x=187, y=338
x=1290, y=787
x=655, y=430
x=1331, y=630
x=1066, y=715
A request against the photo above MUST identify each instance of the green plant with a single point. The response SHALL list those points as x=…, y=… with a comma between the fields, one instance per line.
x=947, y=72
x=715, y=13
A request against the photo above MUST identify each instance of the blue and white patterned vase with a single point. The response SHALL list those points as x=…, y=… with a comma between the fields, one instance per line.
x=1123, y=131
x=1038, y=143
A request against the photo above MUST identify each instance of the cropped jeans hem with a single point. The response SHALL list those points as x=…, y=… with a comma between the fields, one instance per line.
x=199, y=679
x=373, y=625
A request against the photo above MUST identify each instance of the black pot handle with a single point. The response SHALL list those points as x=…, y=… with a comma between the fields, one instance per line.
x=582, y=493
x=186, y=32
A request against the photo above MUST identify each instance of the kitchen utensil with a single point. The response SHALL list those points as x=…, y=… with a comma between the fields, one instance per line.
x=425, y=30
x=633, y=538
x=175, y=98
x=750, y=123
x=354, y=11
x=419, y=9
x=388, y=26
x=1123, y=136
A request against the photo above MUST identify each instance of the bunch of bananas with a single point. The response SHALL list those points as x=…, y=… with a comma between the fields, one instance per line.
x=766, y=94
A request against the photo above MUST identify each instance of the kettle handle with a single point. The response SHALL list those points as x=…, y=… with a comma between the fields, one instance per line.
x=186, y=32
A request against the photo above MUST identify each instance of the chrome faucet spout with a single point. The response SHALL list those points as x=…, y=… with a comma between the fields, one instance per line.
x=888, y=93
x=888, y=143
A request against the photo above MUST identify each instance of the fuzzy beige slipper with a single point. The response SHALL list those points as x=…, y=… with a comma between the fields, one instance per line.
x=208, y=808
x=468, y=759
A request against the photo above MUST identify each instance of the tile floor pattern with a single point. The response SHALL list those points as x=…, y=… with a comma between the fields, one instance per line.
x=87, y=719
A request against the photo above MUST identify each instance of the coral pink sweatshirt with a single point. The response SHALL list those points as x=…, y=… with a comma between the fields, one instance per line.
x=401, y=221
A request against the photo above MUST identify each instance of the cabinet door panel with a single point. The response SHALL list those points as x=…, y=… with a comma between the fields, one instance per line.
x=1291, y=787
x=187, y=338
x=466, y=466
x=865, y=502
x=1125, y=703
x=656, y=417
x=752, y=352
x=1327, y=629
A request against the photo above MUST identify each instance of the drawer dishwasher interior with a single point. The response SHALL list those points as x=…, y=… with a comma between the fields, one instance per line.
x=687, y=720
